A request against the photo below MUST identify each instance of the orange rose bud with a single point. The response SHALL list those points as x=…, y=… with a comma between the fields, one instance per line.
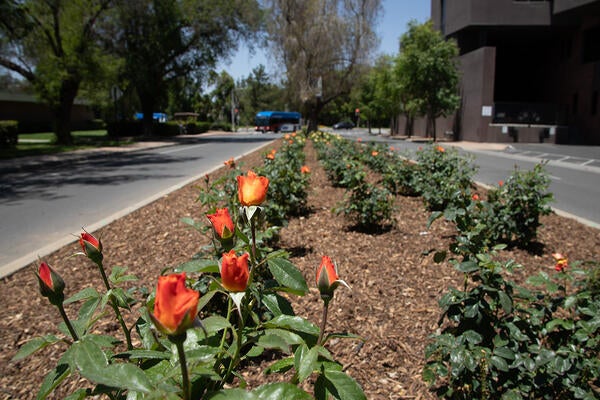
x=305, y=170
x=91, y=247
x=234, y=271
x=475, y=197
x=374, y=153
x=328, y=279
x=252, y=189
x=562, y=262
x=222, y=223
x=52, y=285
x=175, y=306
x=440, y=149
x=230, y=163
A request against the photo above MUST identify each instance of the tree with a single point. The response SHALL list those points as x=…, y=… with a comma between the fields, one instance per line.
x=324, y=46
x=53, y=45
x=426, y=67
x=162, y=40
x=257, y=92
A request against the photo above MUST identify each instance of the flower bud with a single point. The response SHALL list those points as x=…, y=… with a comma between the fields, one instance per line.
x=175, y=306
x=234, y=271
x=305, y=170
x=91, y=247
x=328, y=279
x=252, y=189
x=222, y=223
x=52, y=285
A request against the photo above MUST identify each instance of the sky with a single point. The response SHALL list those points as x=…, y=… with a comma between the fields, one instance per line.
x=392, y=24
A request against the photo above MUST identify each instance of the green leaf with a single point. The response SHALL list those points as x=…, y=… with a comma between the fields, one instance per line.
x=214, y=324
x=288, y=275
x=505, y=301
x=232, y=394
x=305, y=361
x=472, y=337
x=144, y=355
x=342, y=386
x=280, y=366
x=279, y=391
x=505, y=353
x=467, y=266
x=53, y=379
x=198, y=266
x=85, y=294
x=293, y=323
x=34, y=345
x=92, y=364
x=500, y=363
x=277, y=304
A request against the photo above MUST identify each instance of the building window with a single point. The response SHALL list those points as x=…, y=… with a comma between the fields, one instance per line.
x=594, y=102
x=591, y=45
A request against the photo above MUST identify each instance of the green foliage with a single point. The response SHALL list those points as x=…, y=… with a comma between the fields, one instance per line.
x=427, y=72
x=9, y=134
x=443, y=177
x=369, y=206
x=504, y=341
x=288, y=193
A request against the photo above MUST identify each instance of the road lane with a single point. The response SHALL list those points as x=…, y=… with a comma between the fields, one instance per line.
x=41, y=210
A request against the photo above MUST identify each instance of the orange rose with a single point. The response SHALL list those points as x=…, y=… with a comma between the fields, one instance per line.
x=374, y=153
x=234, y=271
x=305, y=170
x=222, y=223
x=475, y=197
x=175, y=306
x=230, y=163
x=562, y=262
x=441, y=149
x=252, y=189
x=271, y=155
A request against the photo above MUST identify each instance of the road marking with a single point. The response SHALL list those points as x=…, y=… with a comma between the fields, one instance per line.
x=177, y=148
x=556, y=178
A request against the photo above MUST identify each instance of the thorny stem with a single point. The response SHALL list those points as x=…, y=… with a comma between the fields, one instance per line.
x=115, y=307
x=182, y=362
x=323, y=322
x=64, y=316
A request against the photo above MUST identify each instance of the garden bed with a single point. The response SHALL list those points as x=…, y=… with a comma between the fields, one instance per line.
x=395, y=284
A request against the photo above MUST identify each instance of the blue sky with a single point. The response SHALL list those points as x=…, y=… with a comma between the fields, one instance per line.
x=392, y=24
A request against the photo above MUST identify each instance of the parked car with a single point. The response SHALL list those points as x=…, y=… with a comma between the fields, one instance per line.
x=343, y=125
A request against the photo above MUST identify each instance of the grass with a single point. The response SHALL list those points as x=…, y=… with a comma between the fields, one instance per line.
x=43, y=143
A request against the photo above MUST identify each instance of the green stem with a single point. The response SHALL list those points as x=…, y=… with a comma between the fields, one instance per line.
x=224, y=336
x=323, y=322
x=182, y=362
x=64, y=316
x=115, y=307
x=253, y=231
x=236, y=357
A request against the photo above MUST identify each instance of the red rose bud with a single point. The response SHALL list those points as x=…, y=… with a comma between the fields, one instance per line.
x=175, y=306
x=562, y=262
x=52, y=285
x=252, y=189
x=328, y=279
x=222, y=223
x=91, y=247
x=234, y=271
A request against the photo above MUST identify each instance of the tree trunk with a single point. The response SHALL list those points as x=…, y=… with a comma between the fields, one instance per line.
x=432, y=125
x=62, y=111
x=148, y=111
x=314, y=109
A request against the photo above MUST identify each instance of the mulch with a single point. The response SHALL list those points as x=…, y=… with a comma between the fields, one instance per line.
x=392, y=304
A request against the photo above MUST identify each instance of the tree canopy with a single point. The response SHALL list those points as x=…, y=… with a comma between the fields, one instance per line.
x=324, y=45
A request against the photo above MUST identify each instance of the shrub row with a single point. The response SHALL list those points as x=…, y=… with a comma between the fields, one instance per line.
x=170, y=128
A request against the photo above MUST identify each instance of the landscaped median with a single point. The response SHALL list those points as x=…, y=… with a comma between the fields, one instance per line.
x=264, y=257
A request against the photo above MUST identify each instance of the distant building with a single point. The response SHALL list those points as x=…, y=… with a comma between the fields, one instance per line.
x=34, y=116
x=530, y=70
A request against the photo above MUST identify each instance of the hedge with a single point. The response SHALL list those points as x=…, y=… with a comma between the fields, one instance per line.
x=9, y=134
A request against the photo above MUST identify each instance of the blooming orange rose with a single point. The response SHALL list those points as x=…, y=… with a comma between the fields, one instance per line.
x=234, y=271
x=475, y=197
x=252, y=189
x=175, y=306
x=440, y=149
x=230, y=163
x=305, y=170
x=222, y=223
x=52, y=285
x=271, y=155
x=374, y=153
x=562, y=262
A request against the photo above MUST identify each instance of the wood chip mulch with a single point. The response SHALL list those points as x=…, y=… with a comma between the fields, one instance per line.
x=393, y=302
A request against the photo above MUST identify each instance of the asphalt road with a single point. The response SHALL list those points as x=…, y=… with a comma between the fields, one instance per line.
x=42, y=208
